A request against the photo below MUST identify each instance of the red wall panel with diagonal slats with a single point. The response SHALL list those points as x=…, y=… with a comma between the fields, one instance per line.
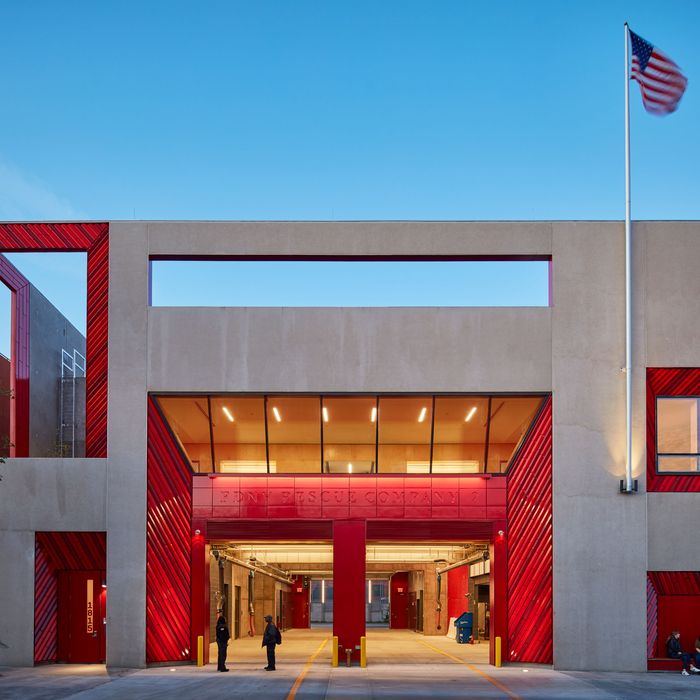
x=652, y=619
x=92, y=238
x=677, y=381
x=54, y=552
x=168, y=546
x=529, y=535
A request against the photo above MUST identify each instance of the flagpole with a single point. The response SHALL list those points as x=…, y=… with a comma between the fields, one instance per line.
x=628, y=273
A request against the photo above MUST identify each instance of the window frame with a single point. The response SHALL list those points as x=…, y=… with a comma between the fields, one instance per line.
x=658, y=454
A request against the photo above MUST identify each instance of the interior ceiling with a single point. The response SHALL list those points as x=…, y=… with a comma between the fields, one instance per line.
x=294, y=555
x=350, y=419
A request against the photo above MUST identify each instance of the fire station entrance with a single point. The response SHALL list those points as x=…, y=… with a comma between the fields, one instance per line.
x=362, y=519
x=349, y=586
x=408, y=587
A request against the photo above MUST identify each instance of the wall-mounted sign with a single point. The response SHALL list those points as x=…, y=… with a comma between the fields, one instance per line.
x=90, y=607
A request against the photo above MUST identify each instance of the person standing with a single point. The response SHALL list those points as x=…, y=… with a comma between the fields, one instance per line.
x=222, y=637
x=271, y=638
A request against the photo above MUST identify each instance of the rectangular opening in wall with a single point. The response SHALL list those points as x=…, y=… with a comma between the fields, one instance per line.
x=43, y=347
x=350, y=283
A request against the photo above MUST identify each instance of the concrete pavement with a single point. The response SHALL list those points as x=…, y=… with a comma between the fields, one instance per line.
x=401, y=664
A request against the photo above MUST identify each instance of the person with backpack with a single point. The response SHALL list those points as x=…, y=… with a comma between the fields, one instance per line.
x=222, y=637
x=271, y=638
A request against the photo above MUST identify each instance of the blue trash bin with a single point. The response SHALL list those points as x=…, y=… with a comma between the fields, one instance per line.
x=464, y=625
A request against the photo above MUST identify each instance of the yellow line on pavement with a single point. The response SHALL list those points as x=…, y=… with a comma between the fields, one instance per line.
x=498, y=684
x=305, y=670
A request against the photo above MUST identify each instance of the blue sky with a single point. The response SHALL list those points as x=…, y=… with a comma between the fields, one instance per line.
x=339, y=110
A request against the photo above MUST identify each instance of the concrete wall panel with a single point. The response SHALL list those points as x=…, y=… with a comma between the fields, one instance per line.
x=196, y=349
x=599, y=544
x=349, y=238
x=16, y=597
x=65, y=494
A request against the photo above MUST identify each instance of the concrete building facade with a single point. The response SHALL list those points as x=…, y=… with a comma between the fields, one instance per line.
x=613, y=562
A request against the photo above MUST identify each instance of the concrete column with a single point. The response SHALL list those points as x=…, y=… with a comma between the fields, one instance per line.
x=126, y=445
x=599, y=535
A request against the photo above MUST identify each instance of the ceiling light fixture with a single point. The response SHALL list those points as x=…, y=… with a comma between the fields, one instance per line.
x=349, y=467
x=227, y=413
x=325, y=415
x=373, y=417
x=470, y=415
x=278, y=418
x=421, y=417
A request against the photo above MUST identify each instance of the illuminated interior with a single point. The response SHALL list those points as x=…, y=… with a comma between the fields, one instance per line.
x=291, y=434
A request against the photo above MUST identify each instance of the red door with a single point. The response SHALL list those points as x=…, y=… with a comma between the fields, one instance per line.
x=81, y=611
x=398, y=601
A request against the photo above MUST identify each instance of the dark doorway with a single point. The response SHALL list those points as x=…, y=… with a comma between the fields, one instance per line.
x=237, y=613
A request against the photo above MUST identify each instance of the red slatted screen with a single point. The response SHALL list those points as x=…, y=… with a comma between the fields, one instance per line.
x=652, y=619
x=19, y=373
x=92, y=238
x=59, y=551
x=675, y=582
x=668, y=382
x=530, y=546
x=168, y=546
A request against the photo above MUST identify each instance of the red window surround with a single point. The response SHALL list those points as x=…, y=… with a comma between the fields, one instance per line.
x=92, y=238
x=661, y=381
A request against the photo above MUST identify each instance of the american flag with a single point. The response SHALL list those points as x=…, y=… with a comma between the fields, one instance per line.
x=660, y=79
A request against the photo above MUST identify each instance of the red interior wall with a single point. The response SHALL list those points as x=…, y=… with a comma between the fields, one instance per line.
x=681, y=612
x=457, y=589
x=299, y=598
x=398, y=601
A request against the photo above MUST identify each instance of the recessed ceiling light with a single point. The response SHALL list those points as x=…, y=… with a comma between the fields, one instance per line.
x=470, y=415
x=373, y=418
x=421, y=417
x=325, y=415
x=278, y=418
x=227, y=413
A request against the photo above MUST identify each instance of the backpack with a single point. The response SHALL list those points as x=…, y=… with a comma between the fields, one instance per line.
x=278, y=636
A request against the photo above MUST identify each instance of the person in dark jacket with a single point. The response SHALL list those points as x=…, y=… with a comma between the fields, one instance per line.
x=222, y=637
x=675, y=651
x=271, y=637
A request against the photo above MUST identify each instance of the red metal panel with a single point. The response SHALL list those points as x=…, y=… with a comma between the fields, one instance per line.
x=97, y=317
x=59, y=551
x=19, y=369
x=661, y=381
x=168, y=546
x=652, y=619
x=530, y=546
x=498, y=591
x=428, y=530
x=349, y=548
x=270, y=530
x=675, y=582
x=92, y=238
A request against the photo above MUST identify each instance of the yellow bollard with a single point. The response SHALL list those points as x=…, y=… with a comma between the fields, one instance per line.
x=363, y=652
x=498, y=652
x=200, y=651
x=334, y=660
